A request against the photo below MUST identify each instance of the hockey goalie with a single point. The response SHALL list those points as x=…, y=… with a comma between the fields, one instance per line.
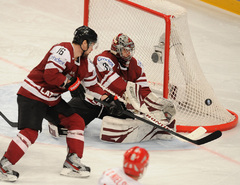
x=119, y=73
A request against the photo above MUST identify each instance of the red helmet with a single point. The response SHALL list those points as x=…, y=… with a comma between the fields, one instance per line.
x=135, y=161
x=123, y=47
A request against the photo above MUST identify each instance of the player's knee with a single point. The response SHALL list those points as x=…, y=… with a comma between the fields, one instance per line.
x=73, y=122
x=30, y=134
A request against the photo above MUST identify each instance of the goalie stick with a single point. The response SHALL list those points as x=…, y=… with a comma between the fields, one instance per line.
x=156, y=123
x=12, y=124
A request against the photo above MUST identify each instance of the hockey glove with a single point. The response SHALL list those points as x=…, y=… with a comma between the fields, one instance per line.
x=158, y=105
x=169, y=111
x=115, y=107
x=79, y=92
x=73, y=84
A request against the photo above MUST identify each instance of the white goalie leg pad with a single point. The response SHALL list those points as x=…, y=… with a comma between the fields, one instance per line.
x=129, y=131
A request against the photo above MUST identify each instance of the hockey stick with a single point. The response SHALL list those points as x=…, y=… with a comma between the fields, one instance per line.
x=156, y=123
x=12, y=124
x=201, y=141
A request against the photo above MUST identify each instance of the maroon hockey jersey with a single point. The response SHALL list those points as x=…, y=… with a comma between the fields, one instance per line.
x=115, y=77
x=44, y=82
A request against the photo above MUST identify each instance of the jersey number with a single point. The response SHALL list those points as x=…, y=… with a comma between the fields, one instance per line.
x=61, y=51
x=106, y=66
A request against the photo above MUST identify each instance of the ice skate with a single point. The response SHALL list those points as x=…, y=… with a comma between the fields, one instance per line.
x=73, y=167
x=6, y=173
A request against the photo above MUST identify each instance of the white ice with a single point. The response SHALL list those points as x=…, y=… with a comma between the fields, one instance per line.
x=29, y=28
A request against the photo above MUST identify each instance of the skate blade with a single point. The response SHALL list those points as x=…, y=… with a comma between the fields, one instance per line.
x=70, y=173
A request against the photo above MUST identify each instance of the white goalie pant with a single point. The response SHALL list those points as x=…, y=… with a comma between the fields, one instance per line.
x=129, y=131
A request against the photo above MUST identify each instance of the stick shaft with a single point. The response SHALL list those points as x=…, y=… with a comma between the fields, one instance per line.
x=12, y=124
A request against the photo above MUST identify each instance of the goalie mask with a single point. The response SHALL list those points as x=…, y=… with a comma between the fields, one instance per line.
x=135, y=161
x=85, y=33
x=123, y=47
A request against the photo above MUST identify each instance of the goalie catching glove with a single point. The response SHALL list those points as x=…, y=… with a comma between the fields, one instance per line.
x=155, y=104
x=115, y=107
x=159, y=108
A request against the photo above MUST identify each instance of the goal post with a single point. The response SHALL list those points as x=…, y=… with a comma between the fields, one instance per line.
x=163, y=44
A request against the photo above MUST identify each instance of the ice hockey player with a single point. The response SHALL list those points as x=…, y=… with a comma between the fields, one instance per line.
x=120, y=72
x=134, y=165
x=62, y=69
x=124, y=75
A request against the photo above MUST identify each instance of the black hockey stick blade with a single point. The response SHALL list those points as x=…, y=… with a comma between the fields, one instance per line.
x=208, y=138
x=12, y=124
x=201, y=141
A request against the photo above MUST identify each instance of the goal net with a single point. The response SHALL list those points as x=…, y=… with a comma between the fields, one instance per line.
x=163, y=44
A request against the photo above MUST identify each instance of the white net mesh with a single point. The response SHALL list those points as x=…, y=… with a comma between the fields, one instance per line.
x=192, y=95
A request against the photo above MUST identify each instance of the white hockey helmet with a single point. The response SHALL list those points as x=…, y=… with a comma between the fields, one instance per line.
x=123, y=47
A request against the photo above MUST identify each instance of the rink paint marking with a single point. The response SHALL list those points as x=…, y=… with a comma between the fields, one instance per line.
x=221, y=155
x=10, y=83
x=16, y=65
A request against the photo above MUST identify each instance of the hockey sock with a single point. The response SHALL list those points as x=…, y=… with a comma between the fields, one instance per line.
x=75, y=142
x=75, y=136
x=20, y=144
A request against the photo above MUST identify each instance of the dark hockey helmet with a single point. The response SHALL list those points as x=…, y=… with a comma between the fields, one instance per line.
x=84, y=33
x=123, y=47
x=135, y=161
